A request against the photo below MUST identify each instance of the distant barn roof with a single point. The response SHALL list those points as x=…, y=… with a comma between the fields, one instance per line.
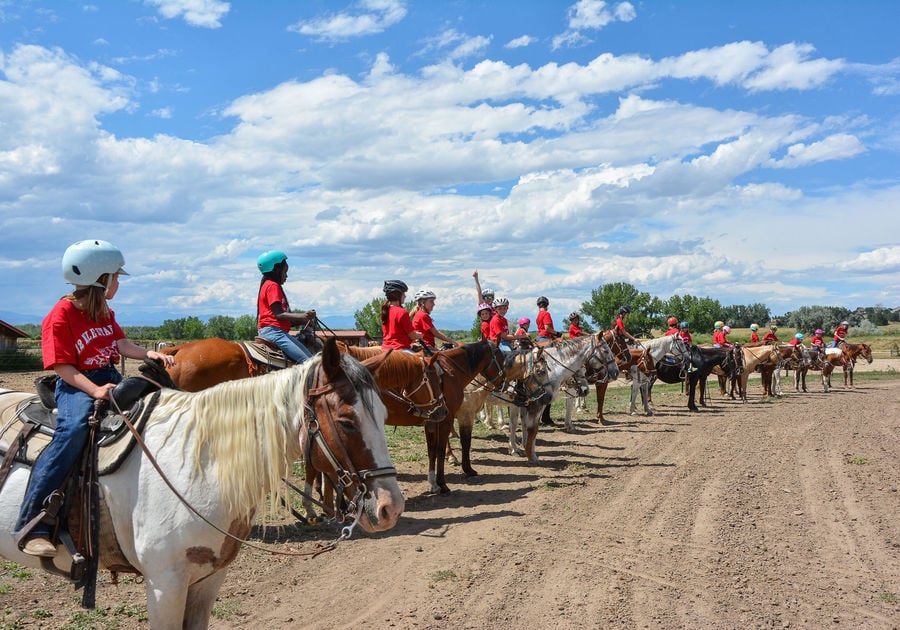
x=8, y=330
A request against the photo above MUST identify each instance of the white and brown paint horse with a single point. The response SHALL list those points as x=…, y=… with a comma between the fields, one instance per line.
x=225, y=450
x=846, y=359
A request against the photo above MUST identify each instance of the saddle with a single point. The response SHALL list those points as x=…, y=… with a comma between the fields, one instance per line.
x=74, y=512
x=265, y=354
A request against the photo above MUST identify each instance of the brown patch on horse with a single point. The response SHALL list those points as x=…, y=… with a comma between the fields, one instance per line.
x=239, y=529
x=200, y=555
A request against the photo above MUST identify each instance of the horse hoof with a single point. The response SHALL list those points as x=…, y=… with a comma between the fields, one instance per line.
x=470, y=473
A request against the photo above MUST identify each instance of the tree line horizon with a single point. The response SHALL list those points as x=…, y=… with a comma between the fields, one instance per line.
x=648, y=314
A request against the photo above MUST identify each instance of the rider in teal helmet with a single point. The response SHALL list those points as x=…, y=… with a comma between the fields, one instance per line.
x=267, y=260
x=273, y=316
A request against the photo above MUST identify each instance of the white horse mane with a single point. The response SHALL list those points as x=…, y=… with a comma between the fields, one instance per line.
x=246, y=429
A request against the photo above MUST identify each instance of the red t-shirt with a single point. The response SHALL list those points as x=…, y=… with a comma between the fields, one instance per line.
x=672, y=331
x=719, y=337
x=839, y=333
x=574, y=331
x=269, y=293
x=521, y=332
x=422, y=322
x=816, y=340
x=499, y=325
x=396, y=331
x=795, y=342
x=486, y=329
x=68, y=336
x=754, y=336
x=544, y=321
x=770, y=336
x=620, y=324
x=686, y=336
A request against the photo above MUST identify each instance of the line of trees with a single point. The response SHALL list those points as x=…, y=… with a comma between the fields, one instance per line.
x=648, y=313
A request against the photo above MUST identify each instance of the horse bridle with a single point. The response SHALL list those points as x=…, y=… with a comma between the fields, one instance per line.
x=348, y=476
x=435, y=402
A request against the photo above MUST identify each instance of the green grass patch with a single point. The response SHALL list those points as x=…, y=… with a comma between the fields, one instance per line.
x=890, y=598
x=226, y=608
x=443, y=575
x=859, y=461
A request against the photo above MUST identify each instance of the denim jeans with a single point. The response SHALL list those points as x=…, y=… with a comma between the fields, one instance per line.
x=290, y=345
x=74, y=409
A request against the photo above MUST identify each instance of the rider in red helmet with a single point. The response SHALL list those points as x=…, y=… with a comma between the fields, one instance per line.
x=673, y=326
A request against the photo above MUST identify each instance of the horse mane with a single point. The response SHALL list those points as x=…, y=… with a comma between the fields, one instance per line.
x=246, y=429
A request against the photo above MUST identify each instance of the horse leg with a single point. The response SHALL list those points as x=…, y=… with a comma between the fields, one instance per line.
x=167, y=594
x=632, y=407
x=645, y=395
x=722, y=385
x=514, y=414
x=692, y=380
x=436, y=436
x=466, y=423
x=530, y=429
x=484, y=414
x=465, y=441
x=570, y=402
x=601, y=395
x=201, y=597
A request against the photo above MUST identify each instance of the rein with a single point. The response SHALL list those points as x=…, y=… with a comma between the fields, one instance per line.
x=346, y=532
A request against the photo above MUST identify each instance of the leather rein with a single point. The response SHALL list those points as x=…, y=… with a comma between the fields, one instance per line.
x=314, y=436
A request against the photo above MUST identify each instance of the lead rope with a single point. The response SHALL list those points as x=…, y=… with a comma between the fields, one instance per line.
x=137, y=436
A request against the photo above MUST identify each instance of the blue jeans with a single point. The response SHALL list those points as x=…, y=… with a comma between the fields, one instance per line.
x=290, y=345
x=74, y=408
x=543, y=338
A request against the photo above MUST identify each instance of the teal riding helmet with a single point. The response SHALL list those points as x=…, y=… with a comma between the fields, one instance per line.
x=267, y=260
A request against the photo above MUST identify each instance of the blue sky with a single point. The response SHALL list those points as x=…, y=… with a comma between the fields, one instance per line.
x=747, y=152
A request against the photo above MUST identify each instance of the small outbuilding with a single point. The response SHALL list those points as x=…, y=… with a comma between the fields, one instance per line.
x=349, y=337
x=9, y=337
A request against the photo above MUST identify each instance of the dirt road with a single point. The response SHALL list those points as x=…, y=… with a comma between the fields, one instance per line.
x=768, y=514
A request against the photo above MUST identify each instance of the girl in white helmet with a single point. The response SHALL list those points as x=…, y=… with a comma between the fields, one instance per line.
x=82, y=342
x=421, y=319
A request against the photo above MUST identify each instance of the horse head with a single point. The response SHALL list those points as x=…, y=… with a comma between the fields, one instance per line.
x=344, y=439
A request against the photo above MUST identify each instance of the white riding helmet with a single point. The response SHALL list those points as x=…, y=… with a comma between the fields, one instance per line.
x=85, y=261
x=501, y=301
x=424, y=294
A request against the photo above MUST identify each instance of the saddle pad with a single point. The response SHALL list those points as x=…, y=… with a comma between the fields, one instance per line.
x=116, y=443
x=832, y=351
x=266, y=355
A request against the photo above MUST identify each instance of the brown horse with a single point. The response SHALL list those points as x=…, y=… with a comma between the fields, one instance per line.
x=626, y=358
x=459, y=366
x=847, y=360
x=207, y=362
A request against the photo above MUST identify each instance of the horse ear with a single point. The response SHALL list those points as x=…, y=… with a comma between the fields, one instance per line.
x=331, y=358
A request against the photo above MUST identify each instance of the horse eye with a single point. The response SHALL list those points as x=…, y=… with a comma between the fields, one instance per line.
x=348, y=425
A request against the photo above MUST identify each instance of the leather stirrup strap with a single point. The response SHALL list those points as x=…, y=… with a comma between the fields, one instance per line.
x=28, y=428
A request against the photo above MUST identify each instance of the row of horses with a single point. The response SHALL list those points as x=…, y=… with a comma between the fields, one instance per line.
x=177, y=507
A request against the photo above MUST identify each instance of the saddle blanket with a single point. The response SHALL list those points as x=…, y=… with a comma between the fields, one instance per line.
x=116, y=441
x=830, y=351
